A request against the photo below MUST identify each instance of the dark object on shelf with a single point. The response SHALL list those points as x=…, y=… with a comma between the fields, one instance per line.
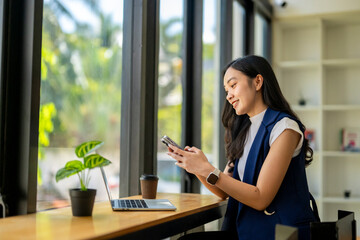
x=281, y=3
x=347, y=193
x=343, y=228
x=302, y=102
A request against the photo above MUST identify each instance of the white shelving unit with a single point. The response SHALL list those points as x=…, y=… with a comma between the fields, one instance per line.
x=317, y=58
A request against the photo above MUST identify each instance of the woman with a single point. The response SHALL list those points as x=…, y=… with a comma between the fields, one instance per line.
x=265, y=177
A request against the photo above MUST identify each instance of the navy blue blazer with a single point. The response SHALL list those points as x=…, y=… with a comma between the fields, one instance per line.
x=291, y=205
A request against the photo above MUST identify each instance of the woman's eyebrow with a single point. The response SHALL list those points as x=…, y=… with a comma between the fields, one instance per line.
x=232, y=78
x=227, y=82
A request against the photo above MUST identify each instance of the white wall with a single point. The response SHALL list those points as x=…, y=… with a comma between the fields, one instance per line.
x=311, y=7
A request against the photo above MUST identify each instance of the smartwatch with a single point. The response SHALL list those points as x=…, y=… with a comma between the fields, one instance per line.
x=213, y=177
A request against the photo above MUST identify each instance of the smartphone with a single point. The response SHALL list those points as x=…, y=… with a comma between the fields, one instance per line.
x=166, y=140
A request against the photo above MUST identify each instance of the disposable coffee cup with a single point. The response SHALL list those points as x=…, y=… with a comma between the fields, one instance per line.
x=148, y=184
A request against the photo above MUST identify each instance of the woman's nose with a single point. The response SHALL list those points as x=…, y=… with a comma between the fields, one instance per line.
x=229, y=96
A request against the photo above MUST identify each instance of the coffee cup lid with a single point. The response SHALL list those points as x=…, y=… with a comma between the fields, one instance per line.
x=149, y=177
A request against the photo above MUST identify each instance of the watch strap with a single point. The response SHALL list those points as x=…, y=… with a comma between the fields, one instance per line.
x=216, y=172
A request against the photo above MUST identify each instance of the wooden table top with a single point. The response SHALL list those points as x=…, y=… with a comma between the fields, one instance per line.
x=105, y=223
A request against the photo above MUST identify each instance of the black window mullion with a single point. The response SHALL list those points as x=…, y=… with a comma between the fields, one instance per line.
x=139, y=93
x=264, y=7
x=268, y=40
x=151, y=86
x=249, y=28
x=192, y=81
x=20, y=99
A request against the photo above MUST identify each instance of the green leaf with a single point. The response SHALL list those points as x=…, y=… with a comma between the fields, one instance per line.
x=95, y=160
x=87, y=147
x=75, y=164
x=63, y=173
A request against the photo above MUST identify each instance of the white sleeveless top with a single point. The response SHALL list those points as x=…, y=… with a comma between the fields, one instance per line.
x=285, y=123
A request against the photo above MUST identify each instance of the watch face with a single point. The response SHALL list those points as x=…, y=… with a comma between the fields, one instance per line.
x=212, y=178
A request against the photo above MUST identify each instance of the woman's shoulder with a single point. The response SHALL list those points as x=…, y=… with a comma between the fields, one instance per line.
x=282, y=125
x=285, y=123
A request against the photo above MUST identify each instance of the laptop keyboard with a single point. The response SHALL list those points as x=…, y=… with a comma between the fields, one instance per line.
x=129, y=203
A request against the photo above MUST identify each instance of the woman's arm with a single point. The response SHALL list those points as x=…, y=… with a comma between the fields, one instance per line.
x=214, y=189
x=270, y=178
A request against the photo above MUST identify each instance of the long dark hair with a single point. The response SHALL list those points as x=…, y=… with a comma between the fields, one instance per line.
x=237, y=126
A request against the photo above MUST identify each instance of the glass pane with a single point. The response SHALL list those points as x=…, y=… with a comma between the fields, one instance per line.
x=170, y=90
x=238, y=30
x=260, y=36
x=210, y=77
x=80, y=92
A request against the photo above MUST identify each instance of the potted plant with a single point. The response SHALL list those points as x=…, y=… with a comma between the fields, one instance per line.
x=82, y=199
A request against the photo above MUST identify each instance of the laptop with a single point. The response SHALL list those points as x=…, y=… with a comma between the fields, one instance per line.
x=136, y=204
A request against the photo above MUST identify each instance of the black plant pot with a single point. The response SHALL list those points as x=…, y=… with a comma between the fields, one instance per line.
x=82, y=202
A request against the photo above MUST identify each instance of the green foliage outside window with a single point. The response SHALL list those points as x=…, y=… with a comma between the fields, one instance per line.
x=81, y=76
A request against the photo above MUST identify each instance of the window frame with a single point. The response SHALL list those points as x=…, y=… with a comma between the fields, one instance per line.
x=20, y=87
x=192, y=86
x=139, y=85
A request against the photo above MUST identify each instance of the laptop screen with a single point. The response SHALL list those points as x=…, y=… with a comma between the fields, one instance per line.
x=106, y=183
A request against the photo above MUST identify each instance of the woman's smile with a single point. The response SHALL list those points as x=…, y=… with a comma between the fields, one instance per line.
x=235, y=103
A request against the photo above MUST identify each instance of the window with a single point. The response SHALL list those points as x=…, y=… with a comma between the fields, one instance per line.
x=80, y=92
x=262, y=36
x=238, y=30
x=170, y=90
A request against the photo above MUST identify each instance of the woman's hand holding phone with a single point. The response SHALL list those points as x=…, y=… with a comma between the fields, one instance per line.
x=192, y=159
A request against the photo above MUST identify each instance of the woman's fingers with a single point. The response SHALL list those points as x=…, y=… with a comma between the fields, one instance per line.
x=179, y=164
x=191, y=159
x=193, y=149
x=186, y=148
x=177, y=150
x=175, y=156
